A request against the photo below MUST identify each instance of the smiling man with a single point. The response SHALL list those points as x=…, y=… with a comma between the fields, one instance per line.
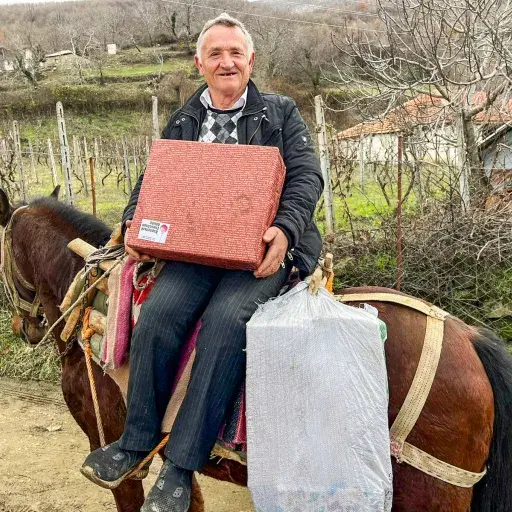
x=229, y=109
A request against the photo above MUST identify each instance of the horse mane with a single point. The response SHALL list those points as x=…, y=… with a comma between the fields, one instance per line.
x=91, y=229
x=48, y=226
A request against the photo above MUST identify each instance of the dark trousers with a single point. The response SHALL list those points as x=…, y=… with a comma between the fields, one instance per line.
x=183, y=293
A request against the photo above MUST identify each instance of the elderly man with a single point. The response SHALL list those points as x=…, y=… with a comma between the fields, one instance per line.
x=229, y=109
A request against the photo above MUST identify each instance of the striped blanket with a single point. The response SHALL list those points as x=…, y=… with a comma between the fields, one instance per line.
x=125, y=302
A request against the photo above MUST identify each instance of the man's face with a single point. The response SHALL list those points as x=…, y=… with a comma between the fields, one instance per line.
x=225, y=63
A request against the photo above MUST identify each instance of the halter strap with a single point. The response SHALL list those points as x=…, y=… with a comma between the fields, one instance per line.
x=9, y=270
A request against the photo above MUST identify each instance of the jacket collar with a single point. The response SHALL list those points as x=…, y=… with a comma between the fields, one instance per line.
x=254, y=103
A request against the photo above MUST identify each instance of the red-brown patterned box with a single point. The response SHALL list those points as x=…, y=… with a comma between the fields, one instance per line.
x=207, y=203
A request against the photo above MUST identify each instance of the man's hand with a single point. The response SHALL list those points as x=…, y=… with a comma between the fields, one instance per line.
x=276, y=253
x=137, y=256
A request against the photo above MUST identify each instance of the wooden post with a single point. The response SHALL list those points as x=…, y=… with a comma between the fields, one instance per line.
x=51, y=159
x=86, y=150
x=96, y=154
x=156, y=130
x=127, y=165
x=324, y=163
x=135, y=160
x=19, y=160
x=80, y=164
x=399, y=233
x=3, y=148
x=93, y=185
x=361, y=163
x=96, y=149
x=32, y=161
x=64, y=151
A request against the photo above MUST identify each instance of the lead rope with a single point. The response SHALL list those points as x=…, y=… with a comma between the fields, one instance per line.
x=87, y=334
x=148, y=457
x=77, y=302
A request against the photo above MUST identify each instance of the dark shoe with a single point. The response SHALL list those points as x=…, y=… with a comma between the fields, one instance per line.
x=171, y=492
x=110, y=465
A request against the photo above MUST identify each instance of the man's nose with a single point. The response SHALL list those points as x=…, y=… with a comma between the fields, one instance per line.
x=226, y=61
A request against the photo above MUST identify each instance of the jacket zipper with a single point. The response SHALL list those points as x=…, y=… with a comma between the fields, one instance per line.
x=263, y=116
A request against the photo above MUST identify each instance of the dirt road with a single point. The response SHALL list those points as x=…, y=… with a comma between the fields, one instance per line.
x=41, y=449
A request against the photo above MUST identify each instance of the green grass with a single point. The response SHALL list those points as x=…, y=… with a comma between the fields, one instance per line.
x=107, y=125
x=18, y=360
x=146, y=69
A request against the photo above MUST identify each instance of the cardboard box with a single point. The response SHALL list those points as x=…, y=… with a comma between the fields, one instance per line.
x=207, y=203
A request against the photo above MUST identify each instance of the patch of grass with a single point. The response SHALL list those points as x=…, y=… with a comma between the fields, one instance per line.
x=107, y=124
x=18, y=360
x=146, y=69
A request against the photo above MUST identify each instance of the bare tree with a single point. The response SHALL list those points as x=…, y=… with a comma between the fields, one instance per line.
x=453, y=51
x=169, y=15
x=270, y=38
x=189, y=11
x=26, y=57
x=147, y=14
x=309, y=53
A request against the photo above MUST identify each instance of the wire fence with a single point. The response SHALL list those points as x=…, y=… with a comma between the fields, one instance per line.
x=456, y=256
x=447, y=251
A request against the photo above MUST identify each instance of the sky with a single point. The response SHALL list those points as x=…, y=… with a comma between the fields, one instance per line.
x=4, y=2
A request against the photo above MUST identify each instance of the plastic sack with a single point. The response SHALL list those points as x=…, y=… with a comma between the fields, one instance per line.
x=317, y=402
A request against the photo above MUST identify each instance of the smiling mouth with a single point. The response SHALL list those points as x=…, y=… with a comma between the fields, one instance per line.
x=227, y=74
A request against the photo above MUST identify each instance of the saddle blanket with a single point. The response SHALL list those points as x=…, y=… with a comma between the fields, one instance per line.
x=112, y=351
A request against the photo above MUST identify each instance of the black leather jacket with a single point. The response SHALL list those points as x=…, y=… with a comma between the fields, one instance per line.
x=268, y=120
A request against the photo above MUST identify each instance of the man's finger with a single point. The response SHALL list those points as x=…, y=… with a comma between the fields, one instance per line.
x=270, y=234
x=270, y=264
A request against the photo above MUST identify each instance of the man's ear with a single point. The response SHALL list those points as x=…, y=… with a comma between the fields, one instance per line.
x=55, y=193
x=5, y=208
x=251, y=61
x=198, y=64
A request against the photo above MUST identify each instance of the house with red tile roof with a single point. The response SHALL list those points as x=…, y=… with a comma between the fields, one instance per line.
x=429, y=126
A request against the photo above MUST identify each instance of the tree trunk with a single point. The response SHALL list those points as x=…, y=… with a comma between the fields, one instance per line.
x=478, y=181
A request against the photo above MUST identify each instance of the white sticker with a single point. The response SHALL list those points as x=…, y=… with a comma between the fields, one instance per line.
x=154, y=231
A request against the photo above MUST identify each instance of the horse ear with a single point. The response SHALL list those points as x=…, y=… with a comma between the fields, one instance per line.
x=55, y=192
x=5, y=208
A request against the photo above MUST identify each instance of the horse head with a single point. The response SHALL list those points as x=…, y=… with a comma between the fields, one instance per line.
x=29, y=326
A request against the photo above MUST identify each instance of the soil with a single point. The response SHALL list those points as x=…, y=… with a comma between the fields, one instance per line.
x=41, y=449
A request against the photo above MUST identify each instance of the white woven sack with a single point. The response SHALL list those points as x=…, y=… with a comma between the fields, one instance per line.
x=317, y=426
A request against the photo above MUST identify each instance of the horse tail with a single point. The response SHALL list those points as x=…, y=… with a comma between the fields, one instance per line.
x=494, y=492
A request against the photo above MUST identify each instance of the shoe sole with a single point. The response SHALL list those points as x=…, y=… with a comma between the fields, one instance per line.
x=89, y=473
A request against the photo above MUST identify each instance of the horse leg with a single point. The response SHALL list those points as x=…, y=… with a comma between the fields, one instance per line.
x=197, y=504
x=414, y=491
x=129, y=496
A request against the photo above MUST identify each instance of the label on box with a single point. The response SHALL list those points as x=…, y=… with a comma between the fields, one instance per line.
x=154, y=231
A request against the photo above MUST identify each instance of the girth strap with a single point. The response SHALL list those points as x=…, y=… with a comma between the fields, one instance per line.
x=419, y=391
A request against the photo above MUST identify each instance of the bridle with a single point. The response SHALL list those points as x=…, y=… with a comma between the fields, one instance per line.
x=9, y=272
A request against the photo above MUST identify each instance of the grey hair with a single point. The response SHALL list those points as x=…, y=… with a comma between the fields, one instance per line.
x=226, y=21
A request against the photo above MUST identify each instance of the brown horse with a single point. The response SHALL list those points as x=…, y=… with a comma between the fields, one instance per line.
x=467, y=419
